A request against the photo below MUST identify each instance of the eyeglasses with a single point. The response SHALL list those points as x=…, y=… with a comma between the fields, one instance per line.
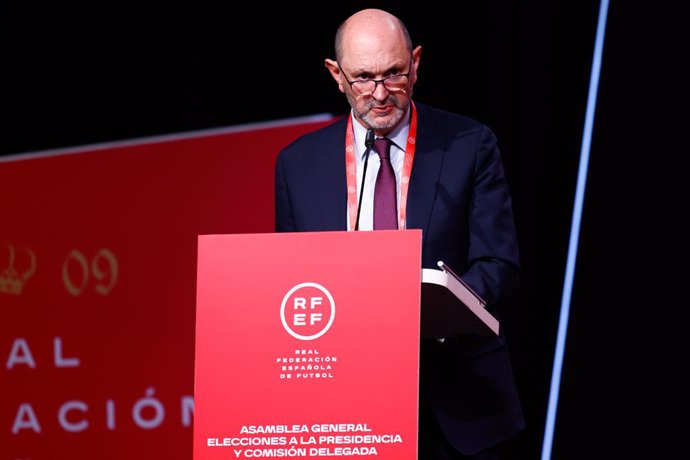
x=392, y=83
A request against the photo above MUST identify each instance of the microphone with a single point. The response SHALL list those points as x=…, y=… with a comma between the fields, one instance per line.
x=369, y=140
x=368, y=143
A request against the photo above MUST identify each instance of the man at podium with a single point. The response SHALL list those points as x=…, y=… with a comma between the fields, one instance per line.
x=396, y=164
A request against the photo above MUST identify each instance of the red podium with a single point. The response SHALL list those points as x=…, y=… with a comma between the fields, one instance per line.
x=307, y=345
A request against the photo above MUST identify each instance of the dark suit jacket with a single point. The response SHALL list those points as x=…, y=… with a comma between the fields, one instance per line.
x=459, y=197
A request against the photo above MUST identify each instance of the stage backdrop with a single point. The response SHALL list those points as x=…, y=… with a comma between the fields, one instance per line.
x=98, y=250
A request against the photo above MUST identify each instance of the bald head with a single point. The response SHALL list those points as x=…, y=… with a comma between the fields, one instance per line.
x=370, y=31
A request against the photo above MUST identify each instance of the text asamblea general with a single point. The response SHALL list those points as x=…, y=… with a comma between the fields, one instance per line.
x=316, y=428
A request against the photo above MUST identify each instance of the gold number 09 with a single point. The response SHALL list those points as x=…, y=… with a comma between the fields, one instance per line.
x=106, y=279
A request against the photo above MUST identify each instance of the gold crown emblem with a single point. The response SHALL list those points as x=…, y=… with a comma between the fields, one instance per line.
x=13, y=278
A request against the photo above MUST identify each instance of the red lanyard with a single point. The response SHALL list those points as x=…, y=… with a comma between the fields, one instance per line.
x=351, y=171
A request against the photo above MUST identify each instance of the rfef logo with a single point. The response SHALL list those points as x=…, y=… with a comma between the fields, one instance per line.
x=307, y=311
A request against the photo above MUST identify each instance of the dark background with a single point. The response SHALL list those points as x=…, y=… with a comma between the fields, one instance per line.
x=76, y=76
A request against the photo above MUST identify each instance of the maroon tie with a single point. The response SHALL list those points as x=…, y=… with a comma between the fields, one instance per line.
x=385, y=194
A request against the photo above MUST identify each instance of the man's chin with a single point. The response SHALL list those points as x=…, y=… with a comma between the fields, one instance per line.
x=382, y=122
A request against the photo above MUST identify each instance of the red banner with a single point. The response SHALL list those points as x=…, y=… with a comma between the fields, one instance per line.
x=307, y=345
x=98, y=249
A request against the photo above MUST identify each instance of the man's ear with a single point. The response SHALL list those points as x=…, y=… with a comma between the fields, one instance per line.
x=416, y=57
x=337, y=75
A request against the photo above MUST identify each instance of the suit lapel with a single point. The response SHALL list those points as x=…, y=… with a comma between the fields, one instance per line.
x=426, y=170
